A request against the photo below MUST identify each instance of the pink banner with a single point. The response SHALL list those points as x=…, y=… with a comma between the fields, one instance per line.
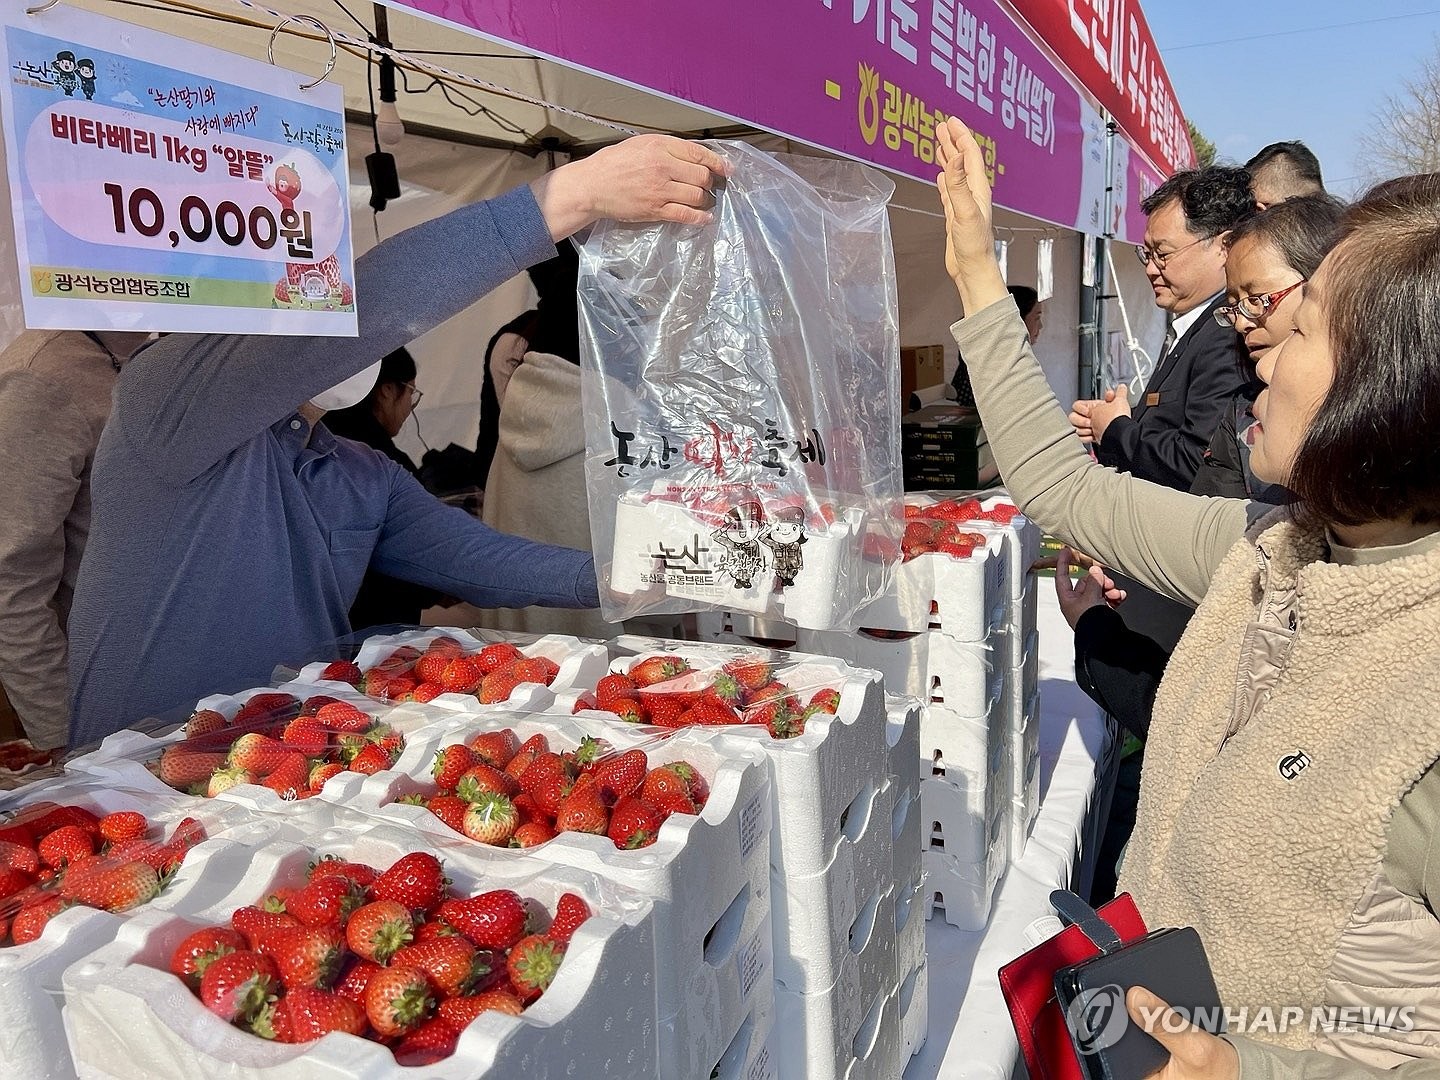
x=865, y=78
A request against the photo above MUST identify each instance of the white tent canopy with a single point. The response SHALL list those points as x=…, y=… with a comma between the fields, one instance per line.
x=467, y=143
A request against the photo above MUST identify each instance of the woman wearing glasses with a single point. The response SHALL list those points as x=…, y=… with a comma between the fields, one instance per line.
x=1289, y=808
x=1268, y=258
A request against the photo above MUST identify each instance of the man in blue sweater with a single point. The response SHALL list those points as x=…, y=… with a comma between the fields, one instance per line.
x=231, y=532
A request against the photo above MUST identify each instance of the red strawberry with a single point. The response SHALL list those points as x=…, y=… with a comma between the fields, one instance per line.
x=432, y=1041
x=431, y=667
x=450, y=809
x=492, y=920
x=584, y=701
x=490, y=819
x=529, y=750
x=656, y=669
x=672, y=802
x=17, y=833
x=547, y=780
x=450, y=764
x=620, y=775
x=533, y=964
x=236, y=986
x=258, y=753
x=65, y=845
x=370, y=760
x=497, y=687
x=326, y=901
x=322, y=773
x=397, y=1000
x=263, y=709
x=570, y=911
x=416, y=881
x=582, y=811
x=379, y=929
x=451, y=962
x=344, y=717
x=52, y=817
x=480, y=779
x=613, y=686
x=333, y=866
x=634, y=823
x=462, y=1011
x=14, y=881
x=309, y=1014
x=315, y=702
x=227, y=778
x=750, y=672
x=261, y=927
x=495, y=748
x=435, y=928
x=536, y=669
x=341, y=671
x=460, y=676
x=181, y=765
x=29, y=922
x=306, y=735
x=444, y=645
x=353, y=984
x=493, y=657
x=629, y=710
x=667, y=709
x=400, y=661
x=291, y=777
x=117, y=888
x=532, y=834
x=204, y=722
x=123, y=825
x=308, y=956
x=827, y=701
x=426, y=691
x=19, y=857
x=200, y=949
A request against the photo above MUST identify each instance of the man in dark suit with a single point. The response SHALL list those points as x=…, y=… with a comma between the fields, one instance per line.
x=1163, y=436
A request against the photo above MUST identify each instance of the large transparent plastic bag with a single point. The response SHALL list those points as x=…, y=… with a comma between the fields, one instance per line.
x=741, y=398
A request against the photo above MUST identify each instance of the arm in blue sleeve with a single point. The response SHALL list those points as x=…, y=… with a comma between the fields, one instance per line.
x=429, y=543
x=188, y=400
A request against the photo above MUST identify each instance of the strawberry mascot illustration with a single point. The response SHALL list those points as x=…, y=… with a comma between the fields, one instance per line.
x=740, y=536
x=285, y=186
x=312, y=281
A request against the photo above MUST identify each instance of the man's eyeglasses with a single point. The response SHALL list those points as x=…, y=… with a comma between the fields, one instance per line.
x=1254, y=308
x=415, y=394
x=1160, y=258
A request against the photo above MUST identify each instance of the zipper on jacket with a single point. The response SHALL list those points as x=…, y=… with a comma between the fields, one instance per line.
x=1262, y=563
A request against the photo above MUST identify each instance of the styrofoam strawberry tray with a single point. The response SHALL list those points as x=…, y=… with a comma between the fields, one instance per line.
x=579, y=662
x=1022, y=542
x=962, y=889
x=32, y=1039
x=123, y=756
x=750, y=1055
x=902, y=735
x=963, y=598
x=128, y=1018
x=663, y=548
x=700, y=872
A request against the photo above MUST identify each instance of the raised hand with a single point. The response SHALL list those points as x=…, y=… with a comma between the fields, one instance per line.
x=969, y=237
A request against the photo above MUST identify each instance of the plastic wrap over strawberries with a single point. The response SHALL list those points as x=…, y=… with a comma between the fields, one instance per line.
x=741, y=395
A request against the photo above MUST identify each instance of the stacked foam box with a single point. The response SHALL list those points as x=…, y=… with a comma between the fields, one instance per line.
x=834, y=801
x=903, y=735
x=127, y=1017
x=32, y=1038
x=579, y=662
x=708, y=876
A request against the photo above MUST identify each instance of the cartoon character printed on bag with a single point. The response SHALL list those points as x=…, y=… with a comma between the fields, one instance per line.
x=65, y=77
x=740, y=535
x=85, y=69
x=787, y=533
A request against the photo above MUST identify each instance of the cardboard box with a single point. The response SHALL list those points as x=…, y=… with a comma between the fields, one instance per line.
x=920, y=366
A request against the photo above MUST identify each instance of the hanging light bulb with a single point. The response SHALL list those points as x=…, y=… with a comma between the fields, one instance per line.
x=389, y=128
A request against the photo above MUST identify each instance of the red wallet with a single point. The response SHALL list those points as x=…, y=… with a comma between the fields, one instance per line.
x=1028, y=986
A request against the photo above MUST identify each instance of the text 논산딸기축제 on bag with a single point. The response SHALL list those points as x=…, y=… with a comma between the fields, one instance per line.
x=741, y=397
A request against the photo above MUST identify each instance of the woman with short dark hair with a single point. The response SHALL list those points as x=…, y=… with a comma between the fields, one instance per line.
x=1289, y=805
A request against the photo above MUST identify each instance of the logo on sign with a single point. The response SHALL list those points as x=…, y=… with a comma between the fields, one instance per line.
x=1097, y=1018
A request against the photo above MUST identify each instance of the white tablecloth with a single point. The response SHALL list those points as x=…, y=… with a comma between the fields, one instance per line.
x=970, y=1035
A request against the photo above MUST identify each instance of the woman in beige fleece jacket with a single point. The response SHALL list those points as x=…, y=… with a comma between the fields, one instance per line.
x=1288, y=806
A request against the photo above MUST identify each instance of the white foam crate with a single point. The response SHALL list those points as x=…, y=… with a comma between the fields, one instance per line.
x=1023, y=611
x=964, y=676
x=907, y=829
x=1025, y=777
x=128, y=1018
x=645, y=525
x=824, y=921
x=32, y=1039
x=914, y=1003
x=839, y=761
x=821, y=1035
x=950, y=741
x=963, y=891
x=579, y=662
x=122, y=757
x=1015, y=649
x=962, y=598
x=902, y=737
x=960, y=813
x=700, y=871
x=909, y=924
x=877, y=1047
x=739, y=628
x=1023, y=536
x=750, y=1055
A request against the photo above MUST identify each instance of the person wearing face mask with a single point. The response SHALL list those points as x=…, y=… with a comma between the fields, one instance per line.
x=231, y=531
x=1290, y=806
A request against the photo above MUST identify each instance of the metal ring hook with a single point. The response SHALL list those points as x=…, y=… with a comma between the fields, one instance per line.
x=270, y=47
x=41, y=8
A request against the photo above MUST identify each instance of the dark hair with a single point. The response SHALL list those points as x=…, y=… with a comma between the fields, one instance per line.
x=1294, y=157
x=397, y=367
x=1370, y=453
x=557, y=326
x=1213, y=199
x=1302, y=230
x=1025, y=299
